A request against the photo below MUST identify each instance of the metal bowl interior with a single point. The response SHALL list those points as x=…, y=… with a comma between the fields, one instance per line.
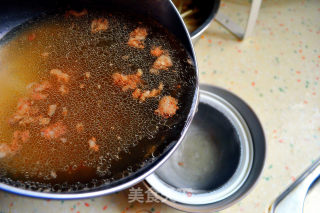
x=208, y=10
x=209, y=155
x=179, y=192
x=216, y=156
x=14, y=13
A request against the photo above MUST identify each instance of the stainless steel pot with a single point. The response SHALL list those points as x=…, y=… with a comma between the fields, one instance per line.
x=14, y=13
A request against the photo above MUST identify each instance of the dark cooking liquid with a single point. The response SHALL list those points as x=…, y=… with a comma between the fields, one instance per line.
x=129, y=133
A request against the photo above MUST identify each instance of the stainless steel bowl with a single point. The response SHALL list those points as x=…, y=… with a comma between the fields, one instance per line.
x=14, y=13
x=207, y=10
x=219, y=160
x=210, y=9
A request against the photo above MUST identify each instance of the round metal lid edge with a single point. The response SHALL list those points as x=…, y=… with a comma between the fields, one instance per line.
x=259, y=146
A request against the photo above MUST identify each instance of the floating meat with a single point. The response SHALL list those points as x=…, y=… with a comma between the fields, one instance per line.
x=24, y=112
x=52, y=109
x=43, y=121
x=19, y=137
x=23, y=106
x=37, y=90
x=156, y=51
x=53, y=174
x=136, y=93
x=76, y=13
x=38, y=87
x=63, y=89
x=127, y=81
x=93, y=145
x=147, y=93
x=87, y=74
x=61, y=76
x=31, y=36
x=167, y=107
x=163, y=62
x=80, y=127
x=100, y=24
x=5, y=150
x=45, y=54
x=24, y=135
x=137, y=37
x=54, y=131
x=64, y=111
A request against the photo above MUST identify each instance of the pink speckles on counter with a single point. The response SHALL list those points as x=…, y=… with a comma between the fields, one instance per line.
x=285, y=50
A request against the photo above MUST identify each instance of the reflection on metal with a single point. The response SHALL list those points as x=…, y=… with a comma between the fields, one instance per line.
x=292, y=199
x=194, y=178
x=237, y=30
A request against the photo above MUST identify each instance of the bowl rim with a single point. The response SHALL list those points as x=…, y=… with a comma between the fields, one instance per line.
x=240, y=174
x=259, y=157
x=197, y=32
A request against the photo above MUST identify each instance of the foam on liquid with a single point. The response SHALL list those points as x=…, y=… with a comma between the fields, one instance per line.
x=117, y=121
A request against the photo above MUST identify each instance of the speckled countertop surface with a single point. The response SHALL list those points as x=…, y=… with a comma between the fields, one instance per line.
x=276, y=72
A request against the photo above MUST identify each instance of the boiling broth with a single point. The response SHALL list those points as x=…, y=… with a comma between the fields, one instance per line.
x=124, y=132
